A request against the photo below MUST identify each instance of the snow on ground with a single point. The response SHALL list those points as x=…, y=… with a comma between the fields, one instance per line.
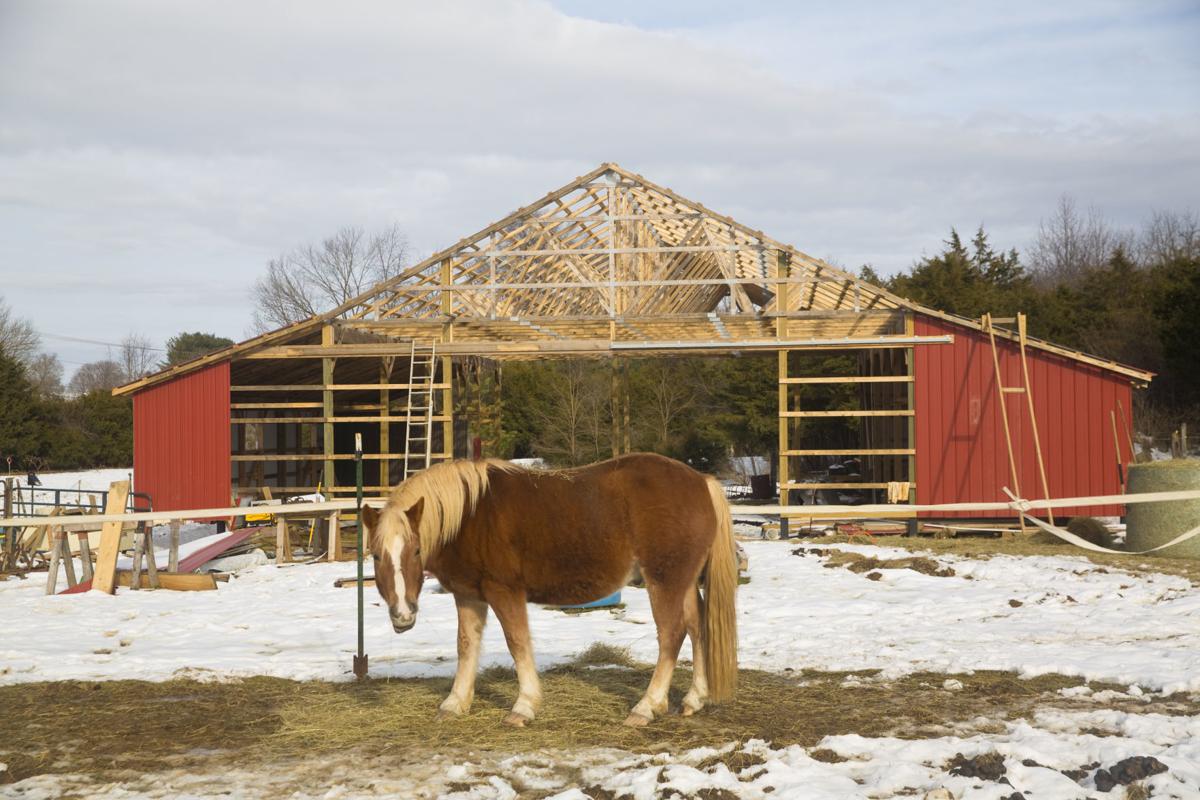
x=1033, y=754
x=1032, y=615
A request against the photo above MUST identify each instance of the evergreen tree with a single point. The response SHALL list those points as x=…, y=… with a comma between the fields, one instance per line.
x=186, y=346
x=19, y=430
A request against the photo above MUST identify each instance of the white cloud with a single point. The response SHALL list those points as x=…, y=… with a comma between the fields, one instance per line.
x=152, y=156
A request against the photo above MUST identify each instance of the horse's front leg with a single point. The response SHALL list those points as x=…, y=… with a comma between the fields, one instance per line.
x=472, y=616
x=510, y=609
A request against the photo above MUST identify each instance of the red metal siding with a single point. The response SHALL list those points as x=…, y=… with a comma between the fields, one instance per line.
x=961, y=452
x=181, y=440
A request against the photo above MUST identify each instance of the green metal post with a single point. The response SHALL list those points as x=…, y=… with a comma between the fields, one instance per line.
x=360, y=660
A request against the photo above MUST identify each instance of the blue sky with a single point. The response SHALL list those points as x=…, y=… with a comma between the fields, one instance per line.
x=154, y=156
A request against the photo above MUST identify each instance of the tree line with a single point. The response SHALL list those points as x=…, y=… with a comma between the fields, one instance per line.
x=1126, y=294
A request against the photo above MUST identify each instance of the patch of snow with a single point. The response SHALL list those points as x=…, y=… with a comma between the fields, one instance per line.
x=289, y=621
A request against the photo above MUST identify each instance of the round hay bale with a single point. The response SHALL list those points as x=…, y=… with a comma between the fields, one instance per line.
x=1151, y=524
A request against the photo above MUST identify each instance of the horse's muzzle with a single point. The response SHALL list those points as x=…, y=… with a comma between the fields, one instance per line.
x=401, y=624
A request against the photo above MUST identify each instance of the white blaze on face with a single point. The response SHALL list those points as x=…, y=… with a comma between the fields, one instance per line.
x=402, y=614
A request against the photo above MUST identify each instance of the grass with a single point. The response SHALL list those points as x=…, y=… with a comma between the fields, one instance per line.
x=131, y=725
x=1018, y=545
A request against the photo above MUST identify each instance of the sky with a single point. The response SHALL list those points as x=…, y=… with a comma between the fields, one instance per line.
x=154, y=156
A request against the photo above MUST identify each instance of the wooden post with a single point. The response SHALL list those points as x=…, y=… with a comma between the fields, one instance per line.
x=63, y=542
x=385, y=425
x=1183, y=443
x=85, y=555
x=173, y=547
x=151, y=563
x=327, y=365
x=283, y=544
x=55, y=557
x=910, y=369
x=135, y=569
x=783, y=272
x=110, y=539
x=447, y=409
x=335, y=537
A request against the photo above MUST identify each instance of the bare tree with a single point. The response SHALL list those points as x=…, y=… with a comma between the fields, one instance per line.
x=45, y=373
x=1070, y=243
x=669, y=390
x=574, y=422
x=315, y=278
x=98, y=376
x=136, y=357
x=1170, y=236
x=18, y=339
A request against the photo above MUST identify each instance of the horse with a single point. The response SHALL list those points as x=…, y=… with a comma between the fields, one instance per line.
x=498, y=535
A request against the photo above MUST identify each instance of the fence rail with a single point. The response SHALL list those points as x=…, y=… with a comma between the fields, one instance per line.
x=874, y=511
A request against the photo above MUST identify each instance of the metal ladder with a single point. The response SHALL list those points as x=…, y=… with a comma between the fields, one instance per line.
x=418, y=418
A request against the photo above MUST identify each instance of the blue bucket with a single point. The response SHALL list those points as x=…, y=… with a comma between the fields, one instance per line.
x=604, y=602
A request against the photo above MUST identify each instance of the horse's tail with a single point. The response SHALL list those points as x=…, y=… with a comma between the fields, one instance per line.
x=720, y=614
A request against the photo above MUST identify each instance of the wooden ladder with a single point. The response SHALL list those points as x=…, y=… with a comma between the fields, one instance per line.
x=418, y=418
x=989, y=326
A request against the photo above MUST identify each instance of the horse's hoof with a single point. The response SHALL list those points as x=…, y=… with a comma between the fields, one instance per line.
x=635, y=720
x=687, y=711
x=445, y=715
x=516, y=720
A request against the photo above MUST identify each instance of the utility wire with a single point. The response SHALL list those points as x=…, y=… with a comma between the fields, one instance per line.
x=105, y=344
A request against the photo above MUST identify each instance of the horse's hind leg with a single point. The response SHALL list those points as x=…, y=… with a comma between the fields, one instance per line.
x=667, y=605
x=511, y=611
x=472, y=616
x=698, y=693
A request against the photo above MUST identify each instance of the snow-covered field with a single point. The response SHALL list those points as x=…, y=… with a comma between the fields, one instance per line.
x=1031, y=615
x=1069, y=617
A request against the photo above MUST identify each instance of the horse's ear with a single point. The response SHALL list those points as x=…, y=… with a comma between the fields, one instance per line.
x=370, y=517
x=414, y=513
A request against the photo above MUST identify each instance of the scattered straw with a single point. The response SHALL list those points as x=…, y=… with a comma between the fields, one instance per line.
x=131, y=725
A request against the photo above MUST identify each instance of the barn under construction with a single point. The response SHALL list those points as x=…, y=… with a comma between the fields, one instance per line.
x=612, y=266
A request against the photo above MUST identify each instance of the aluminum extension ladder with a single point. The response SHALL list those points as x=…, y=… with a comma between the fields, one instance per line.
x=418, y=418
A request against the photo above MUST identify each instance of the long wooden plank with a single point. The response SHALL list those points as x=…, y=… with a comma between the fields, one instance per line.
x=335, y=387
x=104, y=578
x=853, y=379
x=177, y=581
x=852, y=412
x=302, y=420
x=836, y=485
x=308, y=509
x=855, y=451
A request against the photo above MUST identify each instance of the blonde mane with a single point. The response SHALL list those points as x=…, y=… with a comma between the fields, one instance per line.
x=450, y=490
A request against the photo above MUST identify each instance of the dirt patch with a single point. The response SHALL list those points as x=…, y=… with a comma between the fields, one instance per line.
x=104, y=728
x=1127, y=771
x=859, y=563
x=987, y=766
x=735, y=760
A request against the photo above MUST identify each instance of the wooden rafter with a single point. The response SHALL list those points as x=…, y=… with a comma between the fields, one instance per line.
x=668, y=256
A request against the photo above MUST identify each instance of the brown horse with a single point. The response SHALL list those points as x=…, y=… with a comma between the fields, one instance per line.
x=495, y=534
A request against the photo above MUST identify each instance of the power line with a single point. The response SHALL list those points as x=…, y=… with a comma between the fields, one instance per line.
x=97, y=342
